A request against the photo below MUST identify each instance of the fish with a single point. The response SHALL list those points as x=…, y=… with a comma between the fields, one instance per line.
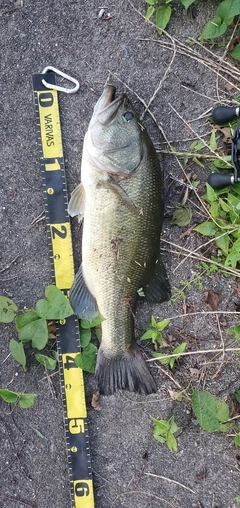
x=120, y=199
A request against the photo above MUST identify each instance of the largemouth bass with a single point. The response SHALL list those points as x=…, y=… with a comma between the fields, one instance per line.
x=120, y=198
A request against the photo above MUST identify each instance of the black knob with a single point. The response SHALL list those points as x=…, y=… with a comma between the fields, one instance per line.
x=224, y=114
x=219, y=180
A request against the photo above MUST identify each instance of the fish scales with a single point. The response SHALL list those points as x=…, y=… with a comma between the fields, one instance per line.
x=123, y=215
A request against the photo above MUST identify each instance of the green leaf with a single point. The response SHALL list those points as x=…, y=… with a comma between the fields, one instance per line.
x=27, y=399
x=85, y=336
x=8, y=395
x=182, y=216
x=235, y=332
x=140, y=292
x=158, y=437
x=24, y=319
x=211, y=194
x=232, y=259
x=179, y=349
x=213, y=143
x=151, y=2
x=209, y=410
x=235, y=53
x=171, y=442
x=233, y=200
x=197, y=161
x=196, y=145
x=149, y=13
x=17, y=352
x=39, y=434
x=221, y=164
x=187, y=3
x=223, y=11
x=86, y=323
x=163, y=358
x=228, y=9
x=237, y=440
x=161, y=425
x=163, y=16
x=162, y=324
x=214, y=209
x=214, y=28
x=37, y=332
x=86, y=360
x=147, y=335
x=153, y=322
x=8, y=310
x=173, y=426
x=98, y=331
x=55, y=305
x=225, y=206
x=237, y=395
x=237, y=499
x=223, y=243
x=207, y=228
x=48, y=362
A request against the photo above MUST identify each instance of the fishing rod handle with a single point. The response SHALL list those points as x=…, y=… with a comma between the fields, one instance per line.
x=224, y=114
x=220, y=180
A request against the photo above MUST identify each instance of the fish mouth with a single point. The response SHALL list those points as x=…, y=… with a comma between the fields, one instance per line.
x=108, y=104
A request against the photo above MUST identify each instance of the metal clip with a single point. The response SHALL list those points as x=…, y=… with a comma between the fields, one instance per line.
x=57, y=87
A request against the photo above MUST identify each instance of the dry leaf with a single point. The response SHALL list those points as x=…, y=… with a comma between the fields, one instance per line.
x=238, y=289
x=227, y=137
x=187, y=233
x=223, y=321
x=211, y=298
x=190, y=308
x=194, y=372
x=174, y=394
x=52, y=327
x=95, y=402
x=184, y=307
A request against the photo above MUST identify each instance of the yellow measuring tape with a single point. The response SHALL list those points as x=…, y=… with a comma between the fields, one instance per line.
x=61, y=256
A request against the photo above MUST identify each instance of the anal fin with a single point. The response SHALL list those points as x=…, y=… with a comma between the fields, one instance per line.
x=81, y=300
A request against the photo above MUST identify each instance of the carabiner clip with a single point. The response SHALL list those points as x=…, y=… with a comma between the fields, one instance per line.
x=57, y=87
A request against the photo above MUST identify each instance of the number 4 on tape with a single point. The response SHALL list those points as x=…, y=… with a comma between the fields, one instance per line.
x=61, y=257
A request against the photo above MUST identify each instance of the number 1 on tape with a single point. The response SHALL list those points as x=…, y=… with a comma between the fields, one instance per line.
x=61, y=257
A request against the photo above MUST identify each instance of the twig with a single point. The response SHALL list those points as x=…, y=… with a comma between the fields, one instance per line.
x=166, y=373
x=142, y=492
x=161, y=80
x=223, y=348
x=171, y=481
x=40, y=217
x=190, y=353
x=205, y=245
x=201, y=258
x=9, y=264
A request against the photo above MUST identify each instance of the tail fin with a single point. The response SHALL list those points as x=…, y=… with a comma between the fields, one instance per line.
x=128, y=371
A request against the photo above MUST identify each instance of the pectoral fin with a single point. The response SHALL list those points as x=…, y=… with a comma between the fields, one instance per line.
x=158, y=290
x=76, y=204
x=119, y=191
x=81, y=300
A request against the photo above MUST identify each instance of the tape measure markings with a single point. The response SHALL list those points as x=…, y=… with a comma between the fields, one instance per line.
x=62, y=267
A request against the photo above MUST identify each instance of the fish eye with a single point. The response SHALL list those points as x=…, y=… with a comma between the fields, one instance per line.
x=128, y=116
